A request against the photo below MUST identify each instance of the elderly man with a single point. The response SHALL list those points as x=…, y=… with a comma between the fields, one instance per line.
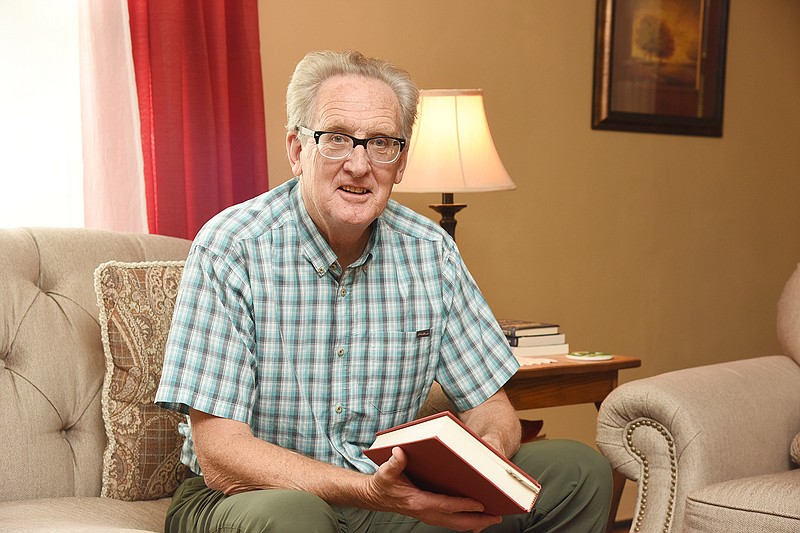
x=321, y=312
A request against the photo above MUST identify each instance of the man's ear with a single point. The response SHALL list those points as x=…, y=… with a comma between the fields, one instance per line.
x=293, y=149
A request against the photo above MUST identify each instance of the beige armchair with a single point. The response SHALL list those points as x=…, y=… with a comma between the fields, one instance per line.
x=709, y=447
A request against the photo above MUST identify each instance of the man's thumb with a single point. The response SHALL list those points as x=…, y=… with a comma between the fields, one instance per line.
x=398, y=461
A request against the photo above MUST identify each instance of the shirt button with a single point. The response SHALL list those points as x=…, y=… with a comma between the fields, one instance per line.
x=338, y=409
x=320, y=270
x=343, y=293
x=340, y=352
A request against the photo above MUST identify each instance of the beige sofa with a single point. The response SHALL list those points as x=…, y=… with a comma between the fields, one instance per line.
x=54, y=361
x=52, y=367
x=711, y=447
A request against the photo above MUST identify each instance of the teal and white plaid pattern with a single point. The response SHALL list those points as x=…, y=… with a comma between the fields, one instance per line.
x=267, y=330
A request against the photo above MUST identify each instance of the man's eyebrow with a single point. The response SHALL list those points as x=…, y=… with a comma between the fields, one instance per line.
x=341, y=128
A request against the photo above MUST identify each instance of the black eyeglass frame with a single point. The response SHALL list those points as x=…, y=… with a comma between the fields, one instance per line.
x=356, y=142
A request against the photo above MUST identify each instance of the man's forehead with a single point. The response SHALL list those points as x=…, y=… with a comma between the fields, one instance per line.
x=356, y=102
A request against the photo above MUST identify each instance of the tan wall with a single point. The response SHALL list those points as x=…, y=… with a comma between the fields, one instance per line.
x=670, y=248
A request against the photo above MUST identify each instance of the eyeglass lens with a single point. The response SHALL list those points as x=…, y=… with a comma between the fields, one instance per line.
x=339, y=146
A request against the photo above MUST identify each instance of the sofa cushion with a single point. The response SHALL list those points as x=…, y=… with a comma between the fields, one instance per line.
x=760, y=503
x=83, y=515
x=142, y=458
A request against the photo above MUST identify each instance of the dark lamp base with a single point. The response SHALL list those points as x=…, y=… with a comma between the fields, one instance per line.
x=448, y=211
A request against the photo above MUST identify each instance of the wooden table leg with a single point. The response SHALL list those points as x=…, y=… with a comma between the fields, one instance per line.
x=616, y=495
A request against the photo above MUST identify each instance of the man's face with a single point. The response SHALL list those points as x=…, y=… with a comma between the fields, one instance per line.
x=343, y=197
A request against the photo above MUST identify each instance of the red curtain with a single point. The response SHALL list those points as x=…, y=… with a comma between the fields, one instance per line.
x=198, y=76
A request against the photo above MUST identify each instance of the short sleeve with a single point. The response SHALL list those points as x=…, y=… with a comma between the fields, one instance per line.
x=209, y=363
x=475, y=359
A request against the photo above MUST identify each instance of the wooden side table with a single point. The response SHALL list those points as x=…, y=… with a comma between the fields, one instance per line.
x=569, y=382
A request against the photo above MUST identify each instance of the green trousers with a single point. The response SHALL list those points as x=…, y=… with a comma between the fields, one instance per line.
x=575, y=497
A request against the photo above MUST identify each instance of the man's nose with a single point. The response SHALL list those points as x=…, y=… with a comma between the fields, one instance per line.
x=358, y=162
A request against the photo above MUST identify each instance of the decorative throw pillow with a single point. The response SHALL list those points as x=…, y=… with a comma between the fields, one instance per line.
x=142, y=458
x=796, y=449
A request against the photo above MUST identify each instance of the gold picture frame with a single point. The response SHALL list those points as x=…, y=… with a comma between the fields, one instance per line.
x=659, y=66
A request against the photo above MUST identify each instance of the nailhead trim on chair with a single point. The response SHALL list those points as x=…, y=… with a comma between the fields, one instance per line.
x=646, y=471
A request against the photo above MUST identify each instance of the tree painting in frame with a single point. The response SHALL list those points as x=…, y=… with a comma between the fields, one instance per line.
x=660, y=66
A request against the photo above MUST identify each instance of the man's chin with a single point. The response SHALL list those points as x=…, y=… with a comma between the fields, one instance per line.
x=358, y=216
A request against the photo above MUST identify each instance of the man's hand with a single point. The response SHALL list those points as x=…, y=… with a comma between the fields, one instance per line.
x=390, y=490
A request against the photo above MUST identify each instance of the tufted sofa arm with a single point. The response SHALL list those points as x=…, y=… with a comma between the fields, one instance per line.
x=678, y=432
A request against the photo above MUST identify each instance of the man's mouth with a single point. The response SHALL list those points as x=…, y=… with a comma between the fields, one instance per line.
x=354, y=190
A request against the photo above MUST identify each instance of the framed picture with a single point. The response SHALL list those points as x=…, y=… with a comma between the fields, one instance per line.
x=659, y=66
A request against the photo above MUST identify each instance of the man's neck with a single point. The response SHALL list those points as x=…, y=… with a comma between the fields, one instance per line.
x=348, y=248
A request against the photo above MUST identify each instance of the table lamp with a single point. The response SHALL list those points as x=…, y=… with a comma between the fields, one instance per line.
x=452, y=151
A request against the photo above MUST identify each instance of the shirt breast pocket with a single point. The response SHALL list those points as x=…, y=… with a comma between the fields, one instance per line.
x=398, y=365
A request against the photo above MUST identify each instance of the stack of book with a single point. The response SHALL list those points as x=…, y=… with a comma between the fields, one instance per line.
x=534, y=339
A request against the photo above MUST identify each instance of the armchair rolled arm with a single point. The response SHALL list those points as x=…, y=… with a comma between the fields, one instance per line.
x=676, y=432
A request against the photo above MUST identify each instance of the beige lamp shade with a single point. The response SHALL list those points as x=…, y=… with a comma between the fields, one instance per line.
x=452, y=150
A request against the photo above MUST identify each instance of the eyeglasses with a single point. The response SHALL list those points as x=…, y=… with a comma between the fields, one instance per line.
x=336, y=145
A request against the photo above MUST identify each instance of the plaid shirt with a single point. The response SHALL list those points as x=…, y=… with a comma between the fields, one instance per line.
x=269, y=331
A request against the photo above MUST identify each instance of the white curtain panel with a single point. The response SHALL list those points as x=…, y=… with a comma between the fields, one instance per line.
x=114, y=196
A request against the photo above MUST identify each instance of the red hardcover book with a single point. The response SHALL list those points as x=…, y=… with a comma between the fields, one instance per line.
x=446, y=457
